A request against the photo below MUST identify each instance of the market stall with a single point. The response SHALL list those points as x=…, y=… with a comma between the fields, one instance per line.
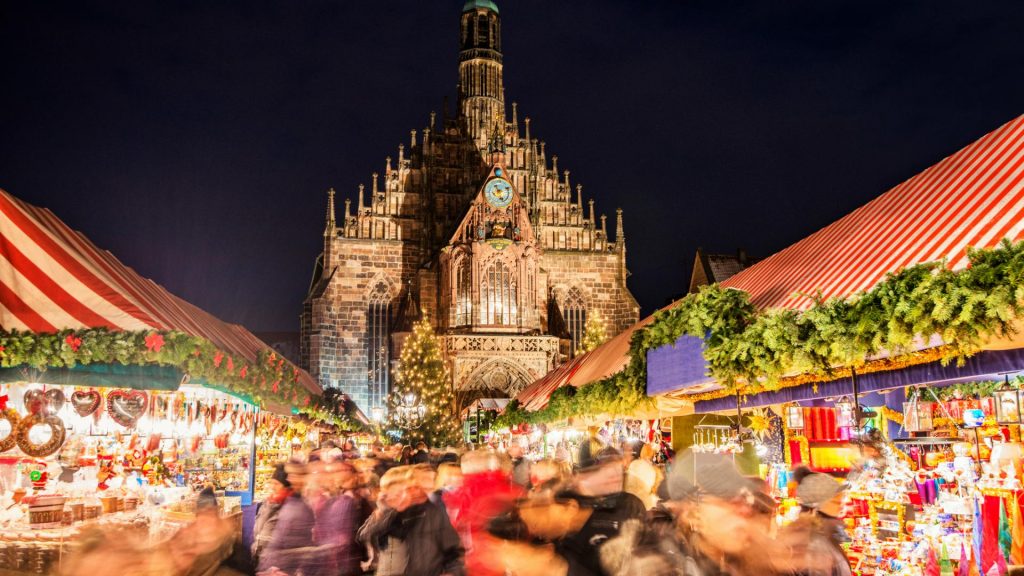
x=117, y=399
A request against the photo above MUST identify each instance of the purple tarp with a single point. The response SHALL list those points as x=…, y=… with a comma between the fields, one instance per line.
x=677, y=367
x=982, y=366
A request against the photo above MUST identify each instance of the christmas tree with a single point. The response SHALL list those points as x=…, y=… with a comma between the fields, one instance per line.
x=593, y=334
x=422, y=378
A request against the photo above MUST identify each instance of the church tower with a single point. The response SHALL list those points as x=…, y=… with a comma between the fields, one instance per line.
x=481, y=88
x=471, y=222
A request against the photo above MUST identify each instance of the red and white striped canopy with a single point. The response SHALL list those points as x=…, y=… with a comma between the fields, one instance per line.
x=53, y=278
x=974, y=198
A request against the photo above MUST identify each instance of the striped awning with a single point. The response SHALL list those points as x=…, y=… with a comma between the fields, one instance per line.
x=974, y=198
x=53, y=278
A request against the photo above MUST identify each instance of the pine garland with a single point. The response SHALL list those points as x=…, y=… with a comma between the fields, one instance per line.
x=271, y=377
x=750, y=350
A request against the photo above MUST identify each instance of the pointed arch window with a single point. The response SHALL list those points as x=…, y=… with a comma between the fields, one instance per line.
x=378, y=328
x=498, y=296
x=574, y=311
x=463, y=294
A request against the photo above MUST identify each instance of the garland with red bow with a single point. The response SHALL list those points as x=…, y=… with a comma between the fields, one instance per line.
x=271, y=377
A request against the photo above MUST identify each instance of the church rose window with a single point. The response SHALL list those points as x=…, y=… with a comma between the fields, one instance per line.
x=377, y=350
x=499, y=298
x=574, y=310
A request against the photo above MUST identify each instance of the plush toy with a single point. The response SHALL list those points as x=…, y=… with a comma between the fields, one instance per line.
x=106, y=470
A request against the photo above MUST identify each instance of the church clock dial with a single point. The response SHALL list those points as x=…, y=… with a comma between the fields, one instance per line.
x=498, y=192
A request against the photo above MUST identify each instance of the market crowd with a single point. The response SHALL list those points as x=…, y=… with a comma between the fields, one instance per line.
x=620, y=509
x=493, y=512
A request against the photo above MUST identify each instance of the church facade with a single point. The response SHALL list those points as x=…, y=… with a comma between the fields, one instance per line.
x=472, y=224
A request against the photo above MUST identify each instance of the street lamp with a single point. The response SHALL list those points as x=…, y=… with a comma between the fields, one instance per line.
x=1007, y=403
x=409, y=413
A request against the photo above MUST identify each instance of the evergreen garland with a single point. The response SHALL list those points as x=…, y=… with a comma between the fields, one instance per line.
x=271, y=377
x=750, y=350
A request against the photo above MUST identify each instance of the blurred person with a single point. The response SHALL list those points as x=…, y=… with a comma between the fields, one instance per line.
x=405, y=456
x=349, y=450
x=642, y=476
x=338, y=521
x=291, y=543
x=520, y=464
x=558, y=524
x=409, y=534
x=548, y=475
x=421, y=455
x=487, y=490
x=268, y=510
x=562, y=453
x=813, y=539
x=447, y=480
x=589, y=447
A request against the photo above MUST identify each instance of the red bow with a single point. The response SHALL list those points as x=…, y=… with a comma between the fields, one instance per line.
x=3, y=402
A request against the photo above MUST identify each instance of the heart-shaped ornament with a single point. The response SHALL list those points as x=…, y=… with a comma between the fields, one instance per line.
x=54, y=400
x=35, y=400
x=127, y=406
x=85, y=402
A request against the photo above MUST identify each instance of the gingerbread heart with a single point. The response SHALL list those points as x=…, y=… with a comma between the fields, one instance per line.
x=54, y=400
x=127, y=406
x=35, y=400
x=85, y=402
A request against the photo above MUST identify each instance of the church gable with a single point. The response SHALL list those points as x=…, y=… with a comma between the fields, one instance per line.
x=497, y=216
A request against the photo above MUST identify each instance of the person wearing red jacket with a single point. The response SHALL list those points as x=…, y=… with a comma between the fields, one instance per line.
x=487, y=491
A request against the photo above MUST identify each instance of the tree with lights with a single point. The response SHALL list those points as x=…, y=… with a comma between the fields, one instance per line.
x=593, y=334
x=422, y=377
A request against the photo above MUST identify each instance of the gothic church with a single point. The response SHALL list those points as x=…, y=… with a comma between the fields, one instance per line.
x=472, y=224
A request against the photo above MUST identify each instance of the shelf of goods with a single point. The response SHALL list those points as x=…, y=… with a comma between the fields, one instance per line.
x=70, y=457
x=266, y=458
x=821, y=444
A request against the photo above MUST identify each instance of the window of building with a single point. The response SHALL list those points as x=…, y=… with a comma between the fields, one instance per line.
x=498, y=296
x=378, y=324
x=463, y=294
x=574, y=311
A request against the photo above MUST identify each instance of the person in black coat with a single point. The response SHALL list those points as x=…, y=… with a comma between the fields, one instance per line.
x=409, y=534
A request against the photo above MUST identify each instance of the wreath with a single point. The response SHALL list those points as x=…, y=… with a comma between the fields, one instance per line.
x=12, y=416
x=57, y=434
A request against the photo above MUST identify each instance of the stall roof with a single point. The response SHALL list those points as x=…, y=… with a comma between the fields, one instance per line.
x=54, y=278
x=974, y=198
x=599, y=363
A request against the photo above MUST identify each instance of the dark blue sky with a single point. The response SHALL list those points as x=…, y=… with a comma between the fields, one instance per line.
x=195, y=140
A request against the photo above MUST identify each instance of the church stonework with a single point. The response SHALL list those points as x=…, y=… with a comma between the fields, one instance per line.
x=473, y=225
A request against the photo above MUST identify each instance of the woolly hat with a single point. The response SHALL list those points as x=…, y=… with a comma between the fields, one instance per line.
x=281, y=476
x=817, y=488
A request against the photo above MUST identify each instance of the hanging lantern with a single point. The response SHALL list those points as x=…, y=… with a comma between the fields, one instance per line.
x=845, y=413
x=794, y=417
x=1007, y=405
x=917, y=416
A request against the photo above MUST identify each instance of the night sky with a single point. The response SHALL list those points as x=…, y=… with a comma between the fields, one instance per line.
x=196, y=140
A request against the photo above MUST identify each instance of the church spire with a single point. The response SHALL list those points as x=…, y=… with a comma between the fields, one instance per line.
x=329, y=230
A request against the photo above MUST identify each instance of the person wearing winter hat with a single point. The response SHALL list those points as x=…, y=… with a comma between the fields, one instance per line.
x=268, y=510
x=813, y=540
x=292, y=537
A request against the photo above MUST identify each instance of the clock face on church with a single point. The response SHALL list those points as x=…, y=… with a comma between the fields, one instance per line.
x=498, y=192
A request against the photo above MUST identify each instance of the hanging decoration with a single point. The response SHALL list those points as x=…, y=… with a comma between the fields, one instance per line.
x=85, y=402
x=44, y=449
x=126, y=406
x=13, y=418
